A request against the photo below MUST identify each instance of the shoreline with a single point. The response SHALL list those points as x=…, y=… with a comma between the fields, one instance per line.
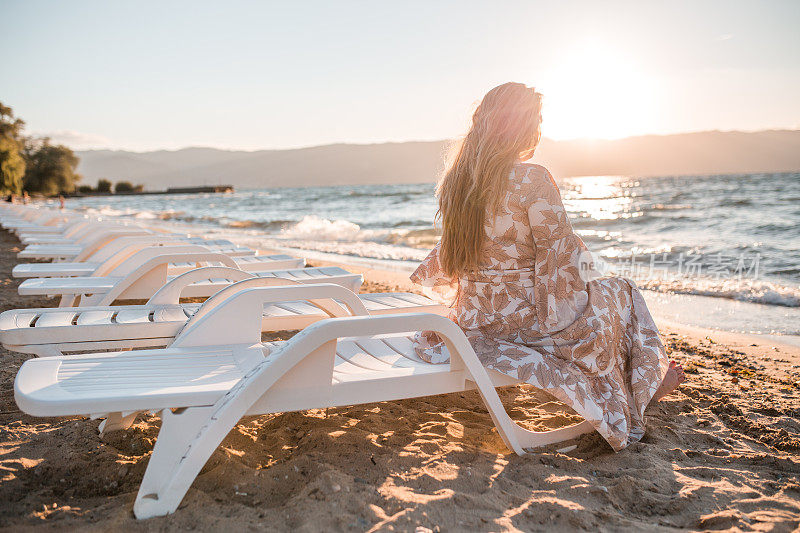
x=721, y=452
x=399, y=281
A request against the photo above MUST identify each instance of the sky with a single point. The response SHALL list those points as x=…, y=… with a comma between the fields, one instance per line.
x=267, y=75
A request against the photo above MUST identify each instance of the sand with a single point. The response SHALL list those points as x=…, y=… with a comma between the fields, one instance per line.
x=723, y=452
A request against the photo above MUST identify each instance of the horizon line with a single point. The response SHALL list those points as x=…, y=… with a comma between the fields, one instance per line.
x=410, y=141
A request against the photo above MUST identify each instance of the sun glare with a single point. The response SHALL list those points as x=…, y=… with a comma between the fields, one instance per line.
x=597, y=92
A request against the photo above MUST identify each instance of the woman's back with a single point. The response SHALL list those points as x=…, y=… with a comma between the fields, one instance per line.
x=508, y=244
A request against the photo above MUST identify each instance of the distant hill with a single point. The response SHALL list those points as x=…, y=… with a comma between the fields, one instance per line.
x=710, y=152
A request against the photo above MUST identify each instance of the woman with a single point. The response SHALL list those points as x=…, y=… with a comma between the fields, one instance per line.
x=511, y=263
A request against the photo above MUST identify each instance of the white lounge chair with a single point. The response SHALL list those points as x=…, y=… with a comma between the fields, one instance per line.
x=75, y=229
x=53, y=331
x=43, y=233
x=122, y=249
x=86, y=244
x=101, y=247
x=26, y=217
x=217, y=371
x=139, y=277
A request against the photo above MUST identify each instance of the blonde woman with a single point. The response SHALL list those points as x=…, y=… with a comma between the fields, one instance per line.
x=511, y=264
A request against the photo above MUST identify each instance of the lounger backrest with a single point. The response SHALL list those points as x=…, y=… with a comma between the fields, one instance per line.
x=97, y=240
x=143, y=255
x=123, y=247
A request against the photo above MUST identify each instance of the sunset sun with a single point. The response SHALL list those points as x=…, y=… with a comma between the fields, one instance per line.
x=596, y=92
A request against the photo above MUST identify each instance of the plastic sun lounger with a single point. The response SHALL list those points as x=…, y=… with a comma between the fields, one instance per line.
x=89, y=243
x=217, y=371
x=75, y=229
x=121, y=249
x=53, y=331
x=48, y=233
x=102, y=246
x=78, y=235
x=146, y=271
x=36, y=218
x=55, y=222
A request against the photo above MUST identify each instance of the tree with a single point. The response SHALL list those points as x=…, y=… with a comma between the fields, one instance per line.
x=103, y=185
x=12, y=164
x=50, y=167
x=127, y=187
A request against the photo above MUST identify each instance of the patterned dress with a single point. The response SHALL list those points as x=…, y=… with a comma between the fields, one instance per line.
x=529, y=312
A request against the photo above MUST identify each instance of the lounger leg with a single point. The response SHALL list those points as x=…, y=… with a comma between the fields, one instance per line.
x=165, y=481
x=515, y=436
x=117, y=421
x=68, y=300
x=46, y=350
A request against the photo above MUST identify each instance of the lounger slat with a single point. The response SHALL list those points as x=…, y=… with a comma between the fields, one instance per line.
x=55, y=319
x=381, y=351
x=373, y=304
x=343, y=367
x=294, y=274
x=168, y=374
x=412, y=298
x=404, y=345
x=21, y=319
x=173, y=313
x=274, y=310
x=144, y=380
x=133, y=316
x=356, y=355
x=301, y=308
x=94, y=318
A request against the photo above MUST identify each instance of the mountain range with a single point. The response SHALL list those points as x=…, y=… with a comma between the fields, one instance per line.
x=711, y=152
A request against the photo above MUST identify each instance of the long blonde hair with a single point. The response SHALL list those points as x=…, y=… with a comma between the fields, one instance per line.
x=505, y=128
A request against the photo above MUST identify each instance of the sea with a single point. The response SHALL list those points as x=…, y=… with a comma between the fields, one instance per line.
x=718, y=251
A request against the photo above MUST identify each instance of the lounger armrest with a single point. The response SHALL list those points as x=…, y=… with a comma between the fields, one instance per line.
x=235, y=317
x=170, y=293
x=161, y=261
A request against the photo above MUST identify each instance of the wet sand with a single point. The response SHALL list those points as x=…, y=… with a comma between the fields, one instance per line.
x=722, y=452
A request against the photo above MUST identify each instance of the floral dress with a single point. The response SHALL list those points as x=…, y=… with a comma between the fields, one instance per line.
x=531, y=313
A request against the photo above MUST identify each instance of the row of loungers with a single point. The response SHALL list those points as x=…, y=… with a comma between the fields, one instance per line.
x=205, y=365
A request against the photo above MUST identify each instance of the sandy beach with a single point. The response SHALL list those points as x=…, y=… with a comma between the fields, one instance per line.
x=722, y=452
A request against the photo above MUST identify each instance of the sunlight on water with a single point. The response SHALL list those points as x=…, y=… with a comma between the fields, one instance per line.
x=598, y=197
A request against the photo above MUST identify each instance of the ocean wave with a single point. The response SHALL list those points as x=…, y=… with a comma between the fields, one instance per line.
x=753, y=291
x=312, y=227
x=420, y=238
x=270, y=225
x=411, y=223
x=737, y=202
x=669, y=207
x=387, y=194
